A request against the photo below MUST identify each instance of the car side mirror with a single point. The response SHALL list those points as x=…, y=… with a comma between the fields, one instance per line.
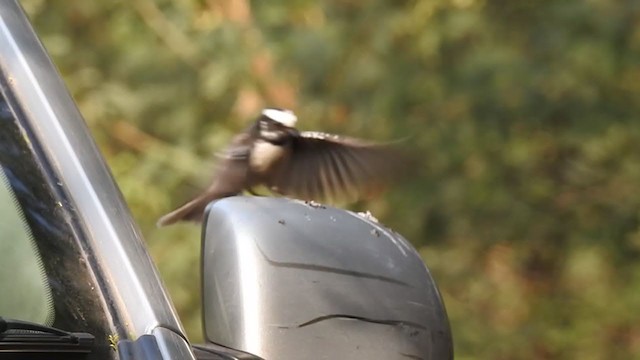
x=285, y=279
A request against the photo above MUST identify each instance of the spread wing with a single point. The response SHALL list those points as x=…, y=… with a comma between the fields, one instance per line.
x=330, y=167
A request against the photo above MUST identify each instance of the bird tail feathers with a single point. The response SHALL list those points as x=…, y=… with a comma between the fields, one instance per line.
x=191, y=211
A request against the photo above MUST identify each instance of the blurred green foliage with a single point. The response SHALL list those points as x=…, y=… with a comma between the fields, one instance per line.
x=526, y=206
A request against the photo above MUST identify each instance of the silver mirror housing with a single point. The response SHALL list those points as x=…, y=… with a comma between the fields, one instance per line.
x=284, y=279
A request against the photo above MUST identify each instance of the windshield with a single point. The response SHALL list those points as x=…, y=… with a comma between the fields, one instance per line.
x=45, y=276
x=23, y=281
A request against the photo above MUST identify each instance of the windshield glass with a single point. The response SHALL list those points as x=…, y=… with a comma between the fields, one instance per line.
x=45, y=275
x=23, y=281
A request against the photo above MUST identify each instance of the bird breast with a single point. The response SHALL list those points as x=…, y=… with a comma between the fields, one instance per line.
x=265, y=155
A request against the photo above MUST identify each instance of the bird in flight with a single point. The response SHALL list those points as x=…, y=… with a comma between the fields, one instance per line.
x=302, y=164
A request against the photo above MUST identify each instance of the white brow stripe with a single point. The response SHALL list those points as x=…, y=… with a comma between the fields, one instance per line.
x=284, y=117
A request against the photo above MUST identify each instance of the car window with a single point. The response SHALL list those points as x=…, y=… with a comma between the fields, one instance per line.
x=23, y=282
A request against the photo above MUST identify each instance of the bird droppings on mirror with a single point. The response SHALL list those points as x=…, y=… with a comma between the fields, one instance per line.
x=368, y=216
x=315, y=205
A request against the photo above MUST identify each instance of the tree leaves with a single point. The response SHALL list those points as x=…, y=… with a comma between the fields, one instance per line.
x=525, y=113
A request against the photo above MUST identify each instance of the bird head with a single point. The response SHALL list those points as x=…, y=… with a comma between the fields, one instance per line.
x=282, y=116
x=277, y=125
